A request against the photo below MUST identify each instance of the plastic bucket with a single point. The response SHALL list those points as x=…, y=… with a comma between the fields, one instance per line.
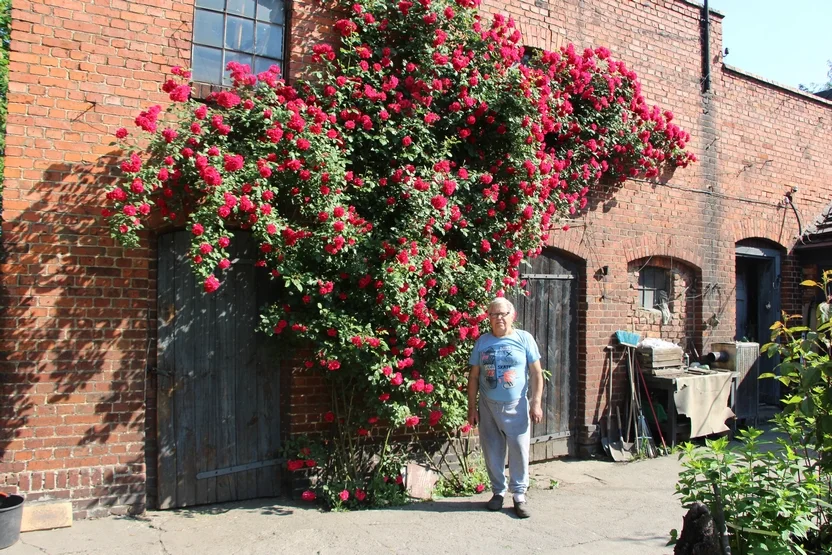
x=11, y=513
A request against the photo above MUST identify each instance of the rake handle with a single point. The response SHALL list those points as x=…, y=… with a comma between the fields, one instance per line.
x=650, y=402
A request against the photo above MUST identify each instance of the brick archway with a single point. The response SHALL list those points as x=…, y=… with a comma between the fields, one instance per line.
x=667, y=246
x=568, y=242
x=761, y=228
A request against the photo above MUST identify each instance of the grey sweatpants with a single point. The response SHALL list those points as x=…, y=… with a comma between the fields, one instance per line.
x=505, y=426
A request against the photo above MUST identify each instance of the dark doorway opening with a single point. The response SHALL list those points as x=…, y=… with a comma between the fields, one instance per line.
x=758, y=307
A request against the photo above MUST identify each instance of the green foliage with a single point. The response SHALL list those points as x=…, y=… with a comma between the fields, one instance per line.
x=776, y=497
x=378, y=484
x=772, y=500
x=818, y=87
x=5, y=36
x=472, y=480
x=806, y=372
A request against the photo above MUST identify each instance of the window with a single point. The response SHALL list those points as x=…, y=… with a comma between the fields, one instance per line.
x=529, y=53
x=246, y=31
x=653, y=287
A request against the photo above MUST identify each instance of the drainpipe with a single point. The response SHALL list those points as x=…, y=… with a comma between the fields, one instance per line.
x=706, y=40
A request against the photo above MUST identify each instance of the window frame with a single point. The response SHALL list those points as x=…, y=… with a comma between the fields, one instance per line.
x=203, y=87
x=649, y=280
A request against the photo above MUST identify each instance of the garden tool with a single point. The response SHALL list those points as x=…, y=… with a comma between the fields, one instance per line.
x=648, y=446
x=626, y=449
x=652, y=408
x=617, y=449
x=606, y=434
x=632, y=416
x=644, y=440
x=630, y=339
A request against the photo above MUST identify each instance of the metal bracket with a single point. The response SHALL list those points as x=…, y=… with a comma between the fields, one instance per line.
x=238, y=468
x=547, y=276
x=541, y=439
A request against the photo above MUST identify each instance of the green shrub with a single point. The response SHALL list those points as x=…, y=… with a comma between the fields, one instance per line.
x=776, y=496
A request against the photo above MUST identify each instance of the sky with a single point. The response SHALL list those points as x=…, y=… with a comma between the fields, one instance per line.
x=785, y=41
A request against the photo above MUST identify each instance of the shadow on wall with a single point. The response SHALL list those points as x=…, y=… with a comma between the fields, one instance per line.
x=76, y=315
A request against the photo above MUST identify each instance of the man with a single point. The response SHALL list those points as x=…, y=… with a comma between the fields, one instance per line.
x=503, y=365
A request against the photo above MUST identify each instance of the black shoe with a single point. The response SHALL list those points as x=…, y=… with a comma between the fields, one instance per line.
x=522, y=509
x=495, y=503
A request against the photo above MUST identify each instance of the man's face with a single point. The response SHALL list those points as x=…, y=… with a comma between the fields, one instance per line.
x=500, y=317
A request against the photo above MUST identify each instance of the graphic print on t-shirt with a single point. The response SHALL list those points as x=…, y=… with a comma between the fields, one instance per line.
x=499, y=365
x=489, y=368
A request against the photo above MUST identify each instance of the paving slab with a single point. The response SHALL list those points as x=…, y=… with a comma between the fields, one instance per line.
x=580, y=507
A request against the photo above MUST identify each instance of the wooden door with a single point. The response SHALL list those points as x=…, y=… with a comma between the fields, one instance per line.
x=218, y=398
x=549, y=313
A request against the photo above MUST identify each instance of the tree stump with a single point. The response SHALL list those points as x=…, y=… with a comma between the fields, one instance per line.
x=699, y=535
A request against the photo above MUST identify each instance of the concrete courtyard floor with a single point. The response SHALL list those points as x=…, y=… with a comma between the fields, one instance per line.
x=579, y=507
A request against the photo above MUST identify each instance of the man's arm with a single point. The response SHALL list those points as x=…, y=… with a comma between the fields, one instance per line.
x=536, y=375
x=473, y=388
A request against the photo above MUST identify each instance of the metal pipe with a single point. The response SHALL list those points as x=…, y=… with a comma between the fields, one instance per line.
x=717, y=356
x=706, y=38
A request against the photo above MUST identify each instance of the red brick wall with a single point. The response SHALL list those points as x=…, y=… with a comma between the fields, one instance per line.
x=78, y=312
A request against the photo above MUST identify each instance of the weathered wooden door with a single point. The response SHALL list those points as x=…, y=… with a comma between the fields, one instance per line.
x=550, y=314
x=218, y=397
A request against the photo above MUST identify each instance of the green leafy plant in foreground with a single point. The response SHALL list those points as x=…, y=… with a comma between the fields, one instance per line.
x=776, y=495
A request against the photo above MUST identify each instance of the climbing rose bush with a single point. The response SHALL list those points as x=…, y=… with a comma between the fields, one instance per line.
x=392, y=192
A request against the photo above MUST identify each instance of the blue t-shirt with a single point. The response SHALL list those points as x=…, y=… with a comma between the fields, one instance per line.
x=504, y=363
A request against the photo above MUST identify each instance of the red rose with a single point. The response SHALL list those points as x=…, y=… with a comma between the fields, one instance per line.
x=439, y=202
x=346, y=27
x=211, y=284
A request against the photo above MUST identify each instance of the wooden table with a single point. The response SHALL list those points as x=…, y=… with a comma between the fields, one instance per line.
x=668, y=383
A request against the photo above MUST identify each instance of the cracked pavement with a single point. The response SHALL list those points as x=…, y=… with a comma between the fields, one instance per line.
x=594, y=507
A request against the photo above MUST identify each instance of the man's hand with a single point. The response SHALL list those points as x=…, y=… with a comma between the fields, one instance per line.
x=536, y=397
x=473, y=416
x=473, y=388
x=536, y=413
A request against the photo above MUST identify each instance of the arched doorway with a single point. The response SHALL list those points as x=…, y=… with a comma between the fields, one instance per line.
x=758, y=267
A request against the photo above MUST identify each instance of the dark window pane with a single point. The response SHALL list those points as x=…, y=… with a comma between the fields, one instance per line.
x=651, y=280
x=234, y=57
x=269, y=40
x=218, y=5
x=207, y=64
x=239, y=34
x=208, y=28
x=241, y=7
x=263, y=64
x=270, y=10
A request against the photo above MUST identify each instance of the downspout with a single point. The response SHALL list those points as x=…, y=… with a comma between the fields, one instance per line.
x=706, y=51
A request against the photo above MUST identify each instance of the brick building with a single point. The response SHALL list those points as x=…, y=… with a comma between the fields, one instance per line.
x=85, y=393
